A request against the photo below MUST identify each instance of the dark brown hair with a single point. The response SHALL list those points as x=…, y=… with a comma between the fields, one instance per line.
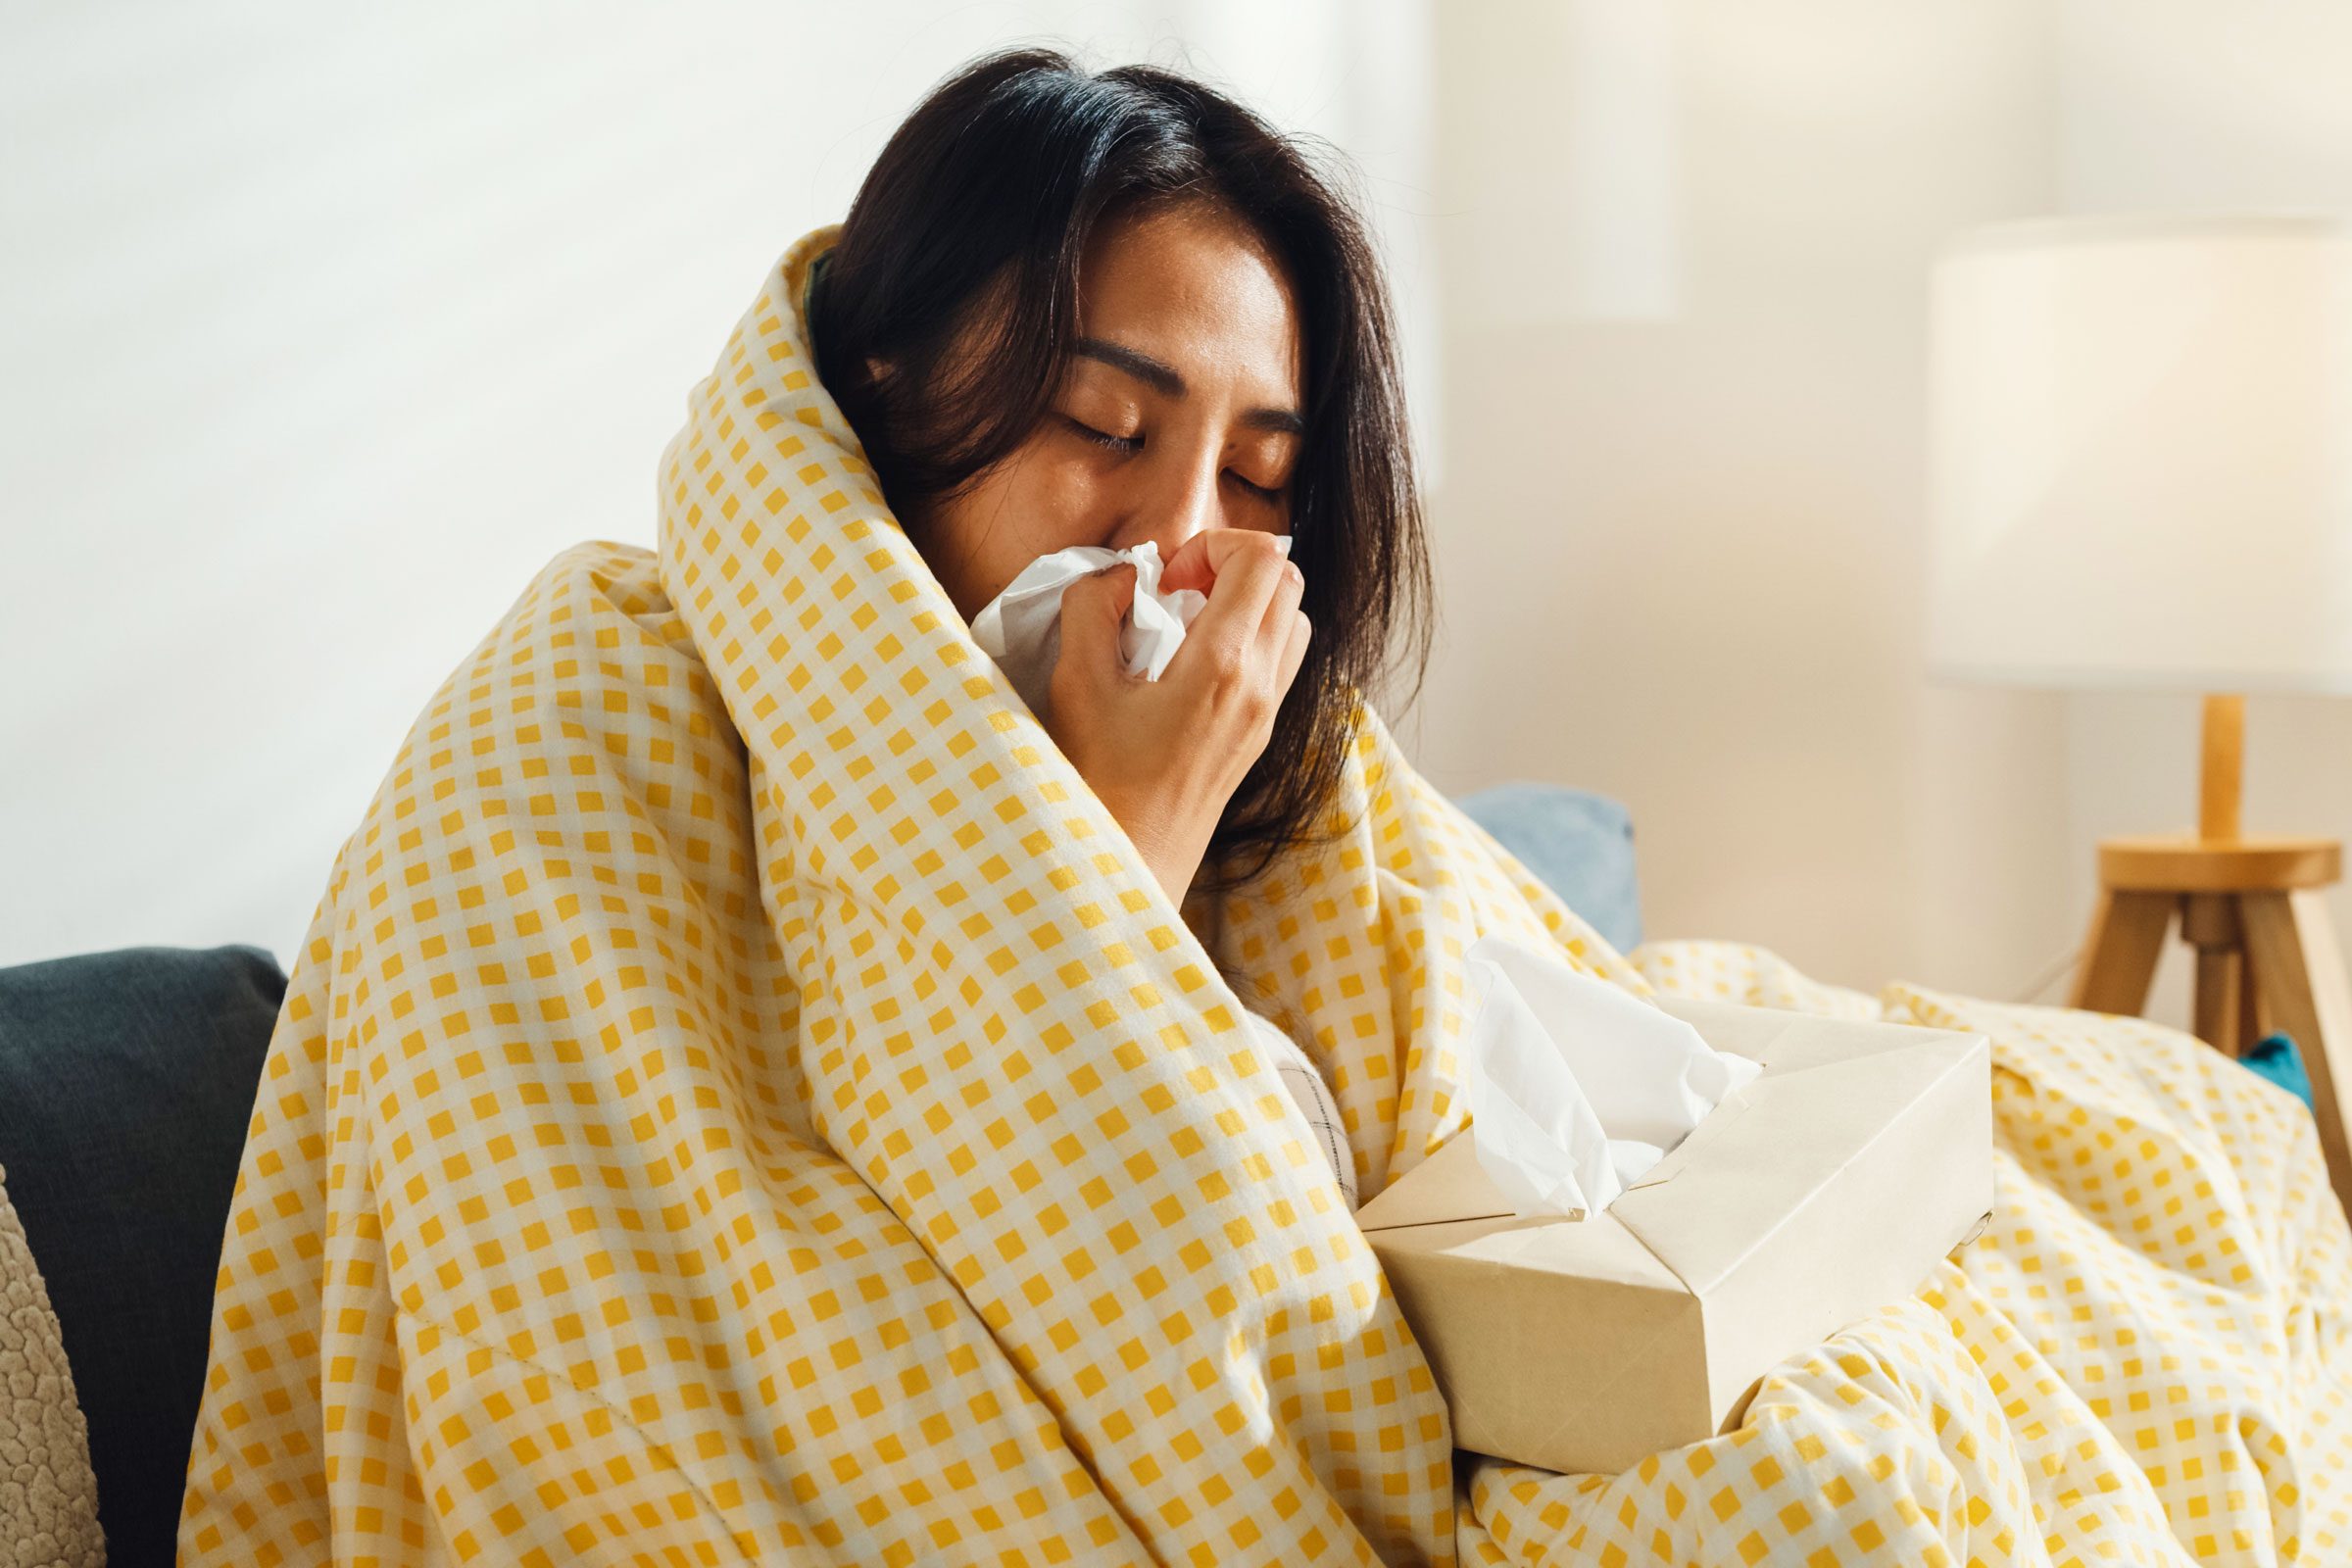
x=976, y=214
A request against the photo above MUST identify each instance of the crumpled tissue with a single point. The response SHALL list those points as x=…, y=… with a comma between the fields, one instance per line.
x=1021, y=627
x=1578, y=1087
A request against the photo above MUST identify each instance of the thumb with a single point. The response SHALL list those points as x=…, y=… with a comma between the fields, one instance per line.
x=1092, y=608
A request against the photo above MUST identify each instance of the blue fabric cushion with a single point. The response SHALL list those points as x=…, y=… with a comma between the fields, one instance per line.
x=126, y=1082
x=1579, y=843
x=2276, y=1057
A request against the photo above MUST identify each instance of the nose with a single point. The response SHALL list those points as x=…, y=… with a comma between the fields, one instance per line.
x=1176, y=498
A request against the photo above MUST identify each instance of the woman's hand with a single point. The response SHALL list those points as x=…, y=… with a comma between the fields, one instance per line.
x=1165, y=756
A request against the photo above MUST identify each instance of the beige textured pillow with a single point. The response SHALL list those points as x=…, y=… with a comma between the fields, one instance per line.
x=48, y=1497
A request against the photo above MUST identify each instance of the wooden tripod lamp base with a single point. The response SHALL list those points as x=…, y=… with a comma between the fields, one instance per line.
x=2267, y=952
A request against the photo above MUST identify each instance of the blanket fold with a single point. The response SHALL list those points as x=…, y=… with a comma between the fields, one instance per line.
x=742, y=1098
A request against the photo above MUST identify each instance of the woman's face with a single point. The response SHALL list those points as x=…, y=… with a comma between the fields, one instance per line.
x=1179, y=411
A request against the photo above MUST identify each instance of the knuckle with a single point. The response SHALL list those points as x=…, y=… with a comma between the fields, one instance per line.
x=1257, y=696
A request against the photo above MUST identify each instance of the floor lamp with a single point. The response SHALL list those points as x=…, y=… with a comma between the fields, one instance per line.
x=2140, y=476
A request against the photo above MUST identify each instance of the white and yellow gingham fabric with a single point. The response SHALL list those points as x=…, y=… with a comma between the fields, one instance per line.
x=743, y=1100
x=2143, y=1360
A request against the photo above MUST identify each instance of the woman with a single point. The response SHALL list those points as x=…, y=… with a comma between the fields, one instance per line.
x=751, y=1092
x=1119, y=308
x=752, y=1086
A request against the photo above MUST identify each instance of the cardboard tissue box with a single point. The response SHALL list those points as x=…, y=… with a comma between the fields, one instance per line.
x=1824, y=1189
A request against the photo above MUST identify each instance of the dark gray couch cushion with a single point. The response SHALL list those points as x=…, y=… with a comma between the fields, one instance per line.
x=126, y=1083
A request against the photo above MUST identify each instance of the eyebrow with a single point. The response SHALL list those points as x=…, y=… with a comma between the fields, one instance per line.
x=1164, y=379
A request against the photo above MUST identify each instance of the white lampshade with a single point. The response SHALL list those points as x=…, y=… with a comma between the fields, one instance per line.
x=2140, y=454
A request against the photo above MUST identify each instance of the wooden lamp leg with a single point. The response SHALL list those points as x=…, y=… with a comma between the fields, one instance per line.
x=2209, y=921
x=2267, y=954
x=2119, y=961
x=2253, y=1019
x=2291, y=948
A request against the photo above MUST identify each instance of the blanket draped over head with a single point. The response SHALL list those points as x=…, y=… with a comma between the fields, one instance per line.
x=742, y=1098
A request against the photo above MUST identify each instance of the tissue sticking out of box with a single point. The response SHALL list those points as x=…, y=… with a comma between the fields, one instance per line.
x=1021, y=627
x=1575, y=1086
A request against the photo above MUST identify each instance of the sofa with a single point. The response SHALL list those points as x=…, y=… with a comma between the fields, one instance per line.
x=126, y=1080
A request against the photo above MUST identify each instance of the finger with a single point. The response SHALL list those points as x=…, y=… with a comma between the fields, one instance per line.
x=1092, y=608
x=1294, y=653
x=1198, y=560
x=1274, y=627
x=1190, y=566
x=1237, y=605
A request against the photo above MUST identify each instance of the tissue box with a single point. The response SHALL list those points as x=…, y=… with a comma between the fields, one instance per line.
x=1824, y=1189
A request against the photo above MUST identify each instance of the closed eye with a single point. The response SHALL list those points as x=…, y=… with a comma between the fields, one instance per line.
x=1116, y=443
x=1135, y=443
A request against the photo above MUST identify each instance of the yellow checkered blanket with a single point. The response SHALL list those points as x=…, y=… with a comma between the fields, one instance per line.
x=742, y=1098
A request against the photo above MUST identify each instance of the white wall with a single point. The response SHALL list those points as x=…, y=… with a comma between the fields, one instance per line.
x=322, y=329
x=1682, y=537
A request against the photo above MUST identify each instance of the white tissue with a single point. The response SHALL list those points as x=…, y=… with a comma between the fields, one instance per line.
x=1021, y=627
x=1575, y=1086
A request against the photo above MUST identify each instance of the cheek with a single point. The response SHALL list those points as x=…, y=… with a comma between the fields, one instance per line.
x=1045, y=501
x=1066, y=499
x=1036, y=502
